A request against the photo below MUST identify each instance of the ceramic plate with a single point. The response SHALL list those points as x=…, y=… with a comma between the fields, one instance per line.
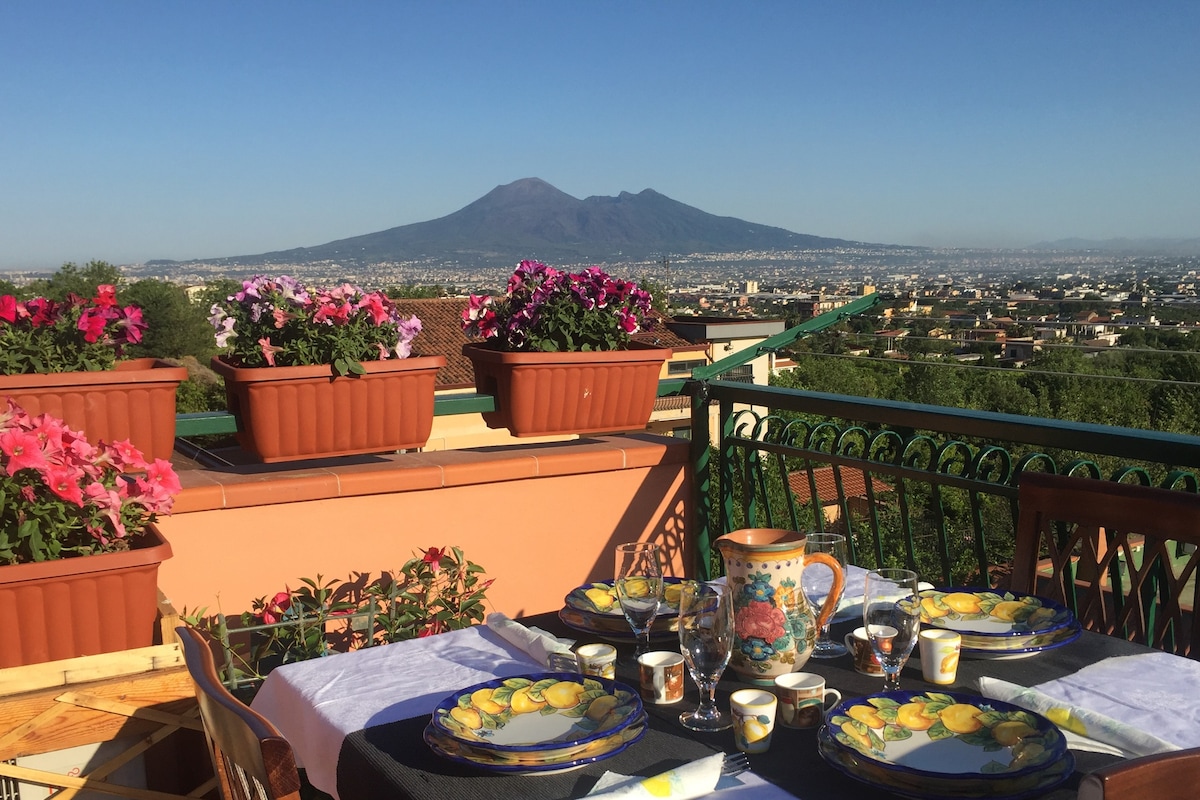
x=922, y=787
x=999, y=620
x=946, y=735
x=1029, y=647
x=601, y=598
x=616, y=629
x=546, y=710
x=533, y=763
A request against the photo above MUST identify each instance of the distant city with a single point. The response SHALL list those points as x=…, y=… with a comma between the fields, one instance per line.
x=786, y=276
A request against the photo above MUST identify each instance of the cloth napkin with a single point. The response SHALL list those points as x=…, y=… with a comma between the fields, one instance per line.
x=691, y=780
x=535, y=642
x=1117, y=702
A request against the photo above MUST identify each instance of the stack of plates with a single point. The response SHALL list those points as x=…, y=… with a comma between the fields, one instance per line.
x=1000, y=624
x=945, y=745
x=593, y=608
x=530, y=724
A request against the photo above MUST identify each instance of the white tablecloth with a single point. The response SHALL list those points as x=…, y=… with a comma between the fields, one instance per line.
x=316, y=703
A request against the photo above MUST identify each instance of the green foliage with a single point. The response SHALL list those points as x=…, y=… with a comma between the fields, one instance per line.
x=411, y=291
x=72, y=279
x=437, y=591
x=177, y=327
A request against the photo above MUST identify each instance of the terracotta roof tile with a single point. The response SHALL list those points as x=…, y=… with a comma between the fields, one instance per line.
x=442, y=334
x=853, y=482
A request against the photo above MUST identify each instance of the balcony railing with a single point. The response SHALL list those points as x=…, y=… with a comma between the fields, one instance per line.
x=927, y=487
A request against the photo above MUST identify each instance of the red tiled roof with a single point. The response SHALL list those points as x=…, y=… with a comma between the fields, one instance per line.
x=854, y=483
x=442, y=334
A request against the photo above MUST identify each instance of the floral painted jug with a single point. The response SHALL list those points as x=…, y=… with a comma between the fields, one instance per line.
x=775, y=628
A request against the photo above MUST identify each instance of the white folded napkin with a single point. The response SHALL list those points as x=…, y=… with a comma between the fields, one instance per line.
x=1084, y=728
x=691, y=780
x=541, y=645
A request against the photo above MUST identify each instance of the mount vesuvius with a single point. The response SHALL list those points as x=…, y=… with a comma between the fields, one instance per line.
x=529, y=218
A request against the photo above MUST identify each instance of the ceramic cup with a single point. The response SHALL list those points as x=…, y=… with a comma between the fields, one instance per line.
x=860, y=650
x=939, y=655
x=802, y=699
x=597, y=660
x=753, y=719
x=660, y=673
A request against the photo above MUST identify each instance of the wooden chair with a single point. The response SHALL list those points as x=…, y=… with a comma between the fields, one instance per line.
x=1076, y=543
x=1167, y=776
x=251, y=759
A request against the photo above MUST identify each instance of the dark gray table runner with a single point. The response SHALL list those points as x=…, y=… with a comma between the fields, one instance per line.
x=392, y=761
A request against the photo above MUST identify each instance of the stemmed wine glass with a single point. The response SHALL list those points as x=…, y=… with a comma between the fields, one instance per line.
x=639, y=587
x=706, y=641
x=892, y=616
x=816, y=581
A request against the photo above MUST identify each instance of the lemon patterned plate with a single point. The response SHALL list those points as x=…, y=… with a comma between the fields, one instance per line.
x=1020, y=648
x=994, y=620
x=601, y=598
x=945, y=735
x=534, y=762
x=924, y=787
x=546, y=710
x=616, y=629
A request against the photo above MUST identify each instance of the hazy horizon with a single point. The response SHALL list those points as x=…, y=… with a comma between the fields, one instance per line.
x=142, y=130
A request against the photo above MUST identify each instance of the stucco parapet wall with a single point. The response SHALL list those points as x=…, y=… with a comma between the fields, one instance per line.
x=356, y=476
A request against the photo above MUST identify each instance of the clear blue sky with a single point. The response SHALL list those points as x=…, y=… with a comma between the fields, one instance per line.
x=132, y=130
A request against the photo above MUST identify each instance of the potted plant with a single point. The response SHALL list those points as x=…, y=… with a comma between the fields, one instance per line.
x=79, y=552
x=322, y=372
x=558, y=353
x=64, y=359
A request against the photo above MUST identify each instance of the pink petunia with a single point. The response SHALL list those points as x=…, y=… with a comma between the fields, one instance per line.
x=23, y=450
x=64, y=482
x=269, y=350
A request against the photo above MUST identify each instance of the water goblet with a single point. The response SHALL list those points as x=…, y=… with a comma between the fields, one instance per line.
x=639, y=587
x=706, y=641
x=892, y=616
x=816, y=581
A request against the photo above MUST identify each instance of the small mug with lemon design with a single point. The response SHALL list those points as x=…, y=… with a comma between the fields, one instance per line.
x=753, y=719
x=939, y=655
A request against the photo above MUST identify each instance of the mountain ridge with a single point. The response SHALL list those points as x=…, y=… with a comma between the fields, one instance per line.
x=530, y=218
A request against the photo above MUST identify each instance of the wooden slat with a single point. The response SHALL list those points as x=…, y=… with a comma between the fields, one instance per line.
x=18, y=680
x=168, y=691
x=43, y=778
x=84, y=700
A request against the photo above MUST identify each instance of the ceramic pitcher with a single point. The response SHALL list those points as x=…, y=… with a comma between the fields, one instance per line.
x=775, y=627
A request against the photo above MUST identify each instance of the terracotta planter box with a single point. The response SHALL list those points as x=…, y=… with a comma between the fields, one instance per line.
x=292, y=413
x=541, y=394
x=50, y=610
x=134, y=401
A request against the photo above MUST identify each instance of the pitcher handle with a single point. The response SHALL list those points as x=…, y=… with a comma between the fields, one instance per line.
x=835, y=591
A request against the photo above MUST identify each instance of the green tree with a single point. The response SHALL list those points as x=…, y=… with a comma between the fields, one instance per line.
x=72, y=279
x=176, y=326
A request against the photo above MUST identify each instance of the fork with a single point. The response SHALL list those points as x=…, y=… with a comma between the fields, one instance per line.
x=735, y=764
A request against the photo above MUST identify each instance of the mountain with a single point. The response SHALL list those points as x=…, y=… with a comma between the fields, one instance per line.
x=530, y=218
x=1144, y=247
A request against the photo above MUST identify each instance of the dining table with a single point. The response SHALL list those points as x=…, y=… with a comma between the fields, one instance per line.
x=356, y=720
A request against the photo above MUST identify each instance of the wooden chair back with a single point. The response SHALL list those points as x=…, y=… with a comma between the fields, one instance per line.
x=252, y=760
x=1167, y=776
x=1123, y=558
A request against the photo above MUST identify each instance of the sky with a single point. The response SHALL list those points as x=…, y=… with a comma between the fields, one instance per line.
x=132, y=130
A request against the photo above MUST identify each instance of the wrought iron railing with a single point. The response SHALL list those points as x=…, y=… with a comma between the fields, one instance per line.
x=927, y=487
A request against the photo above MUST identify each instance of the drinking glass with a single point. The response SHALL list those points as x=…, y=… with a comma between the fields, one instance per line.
x=816, y=581
x=706, y=641
x=639, y=587
x=892, y=616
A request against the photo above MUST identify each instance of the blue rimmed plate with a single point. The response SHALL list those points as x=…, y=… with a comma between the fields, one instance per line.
x=600, y=598
x=537, y=712
x=951, y=737
x=922, y=787
x=534, y=762
x=989, y=619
